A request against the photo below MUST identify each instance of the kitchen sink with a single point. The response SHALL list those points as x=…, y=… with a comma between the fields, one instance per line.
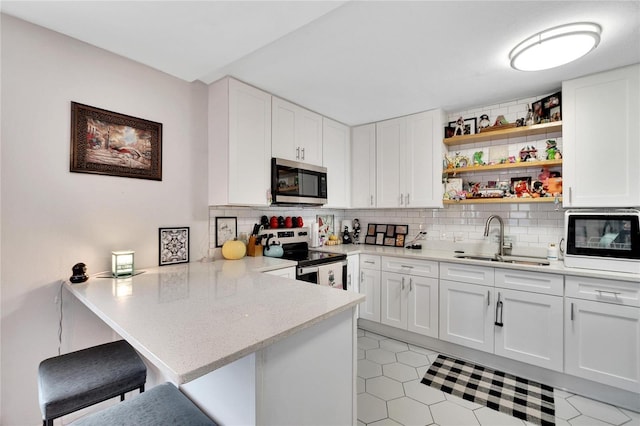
x=520, y=260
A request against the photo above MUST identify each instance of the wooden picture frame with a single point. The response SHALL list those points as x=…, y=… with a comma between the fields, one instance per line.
x=109, y=143
x=173, y=245
x=226, y=229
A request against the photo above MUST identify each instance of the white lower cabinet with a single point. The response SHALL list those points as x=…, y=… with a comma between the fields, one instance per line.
x=602, y=335
x=289, y=272
x=466, y=314
x=409, y=295
x=531, y=329
x=353, y=272
x=480, y=309
x=528, y=317
x=370, y=287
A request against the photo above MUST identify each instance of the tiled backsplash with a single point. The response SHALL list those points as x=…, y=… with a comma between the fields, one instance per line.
x=530, y=227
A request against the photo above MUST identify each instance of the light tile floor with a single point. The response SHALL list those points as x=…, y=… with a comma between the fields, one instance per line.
x=390, y=393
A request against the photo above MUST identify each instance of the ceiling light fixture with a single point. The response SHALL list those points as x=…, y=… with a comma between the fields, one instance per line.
x=555, y=46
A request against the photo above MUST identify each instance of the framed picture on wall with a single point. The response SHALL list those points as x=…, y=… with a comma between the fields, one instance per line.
x=109, y=143
x=174, y=245
x=226, y=229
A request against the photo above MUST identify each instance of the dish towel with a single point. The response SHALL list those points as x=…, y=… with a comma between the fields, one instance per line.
x=330, y=275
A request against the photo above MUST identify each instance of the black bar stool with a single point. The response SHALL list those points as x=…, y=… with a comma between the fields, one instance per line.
x=76, y=380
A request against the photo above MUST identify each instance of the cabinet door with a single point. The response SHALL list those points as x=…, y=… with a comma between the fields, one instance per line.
x=336, y=155
x=353, y=272
x=422, y=306
x=284, y=272
x=390, y=138
x=393, y=299
x=309, y=136
x=602, y=343
x=239, y=123
x=421, y=162
x=370, y=287
x=284, y=144
x=601, y=130
x=531, y=328
x=363, y=166
x=297, y=133
x=466, y=314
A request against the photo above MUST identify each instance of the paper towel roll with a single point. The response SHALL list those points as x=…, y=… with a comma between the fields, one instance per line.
x=315, y=235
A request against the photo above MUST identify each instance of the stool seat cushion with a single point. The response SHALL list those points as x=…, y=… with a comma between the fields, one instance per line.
x=76, y=380
x=161, y=405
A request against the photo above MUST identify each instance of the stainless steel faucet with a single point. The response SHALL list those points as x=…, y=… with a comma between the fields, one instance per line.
x=503, y=249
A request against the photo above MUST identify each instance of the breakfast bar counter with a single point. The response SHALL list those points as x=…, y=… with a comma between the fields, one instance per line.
x=246, y=346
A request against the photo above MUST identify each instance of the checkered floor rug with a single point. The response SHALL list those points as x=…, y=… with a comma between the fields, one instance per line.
x=518, y=397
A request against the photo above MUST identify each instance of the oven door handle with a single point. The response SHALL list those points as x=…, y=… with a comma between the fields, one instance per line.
x=305, y=270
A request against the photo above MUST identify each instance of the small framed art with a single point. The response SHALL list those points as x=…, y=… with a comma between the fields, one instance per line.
x=467, y=127
x=226, y=229
x=174, y=245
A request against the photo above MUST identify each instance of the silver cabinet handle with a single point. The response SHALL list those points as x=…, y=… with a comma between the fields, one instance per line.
x=571, y=312
x=297, y=153
x=406, y=266
x=303, y=153
x=410, y=284
x=488, y=297
x=403, y=283
x=401, y=198
x=570, y=196
x=371, y=203
x=371, y=262
x=614, y=293
x=407, y=199
x=362, y=276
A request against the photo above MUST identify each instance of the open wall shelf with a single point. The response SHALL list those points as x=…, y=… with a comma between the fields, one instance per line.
x=513, y=132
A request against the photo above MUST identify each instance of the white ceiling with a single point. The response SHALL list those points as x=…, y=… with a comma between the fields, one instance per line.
x=354, y=61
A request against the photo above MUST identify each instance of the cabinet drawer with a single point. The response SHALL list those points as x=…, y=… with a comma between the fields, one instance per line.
x=369, y=261
x=535, y=282
x=467, y=273
x=610, y=291
x=422, y=268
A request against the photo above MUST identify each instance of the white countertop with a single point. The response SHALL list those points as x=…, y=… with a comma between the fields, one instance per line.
x=191, y=319
x=448, y=255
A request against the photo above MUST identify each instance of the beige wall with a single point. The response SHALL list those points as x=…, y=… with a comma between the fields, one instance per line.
x=52, y=218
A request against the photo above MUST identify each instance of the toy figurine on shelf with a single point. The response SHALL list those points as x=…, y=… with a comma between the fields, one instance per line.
x=528, y=153
x=477, y=158
x=553, y=153
x=521, y=189
x=529, y=120
x=484, y=122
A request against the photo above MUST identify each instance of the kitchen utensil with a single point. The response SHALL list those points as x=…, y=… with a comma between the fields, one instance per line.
x=274, y=250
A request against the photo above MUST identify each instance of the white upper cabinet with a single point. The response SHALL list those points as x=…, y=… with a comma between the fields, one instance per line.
x=363, y=166
x=296, y=133
x=423, y=160
x=336, y=157
x=239, y=143
x=409, y=161
x=601, y=139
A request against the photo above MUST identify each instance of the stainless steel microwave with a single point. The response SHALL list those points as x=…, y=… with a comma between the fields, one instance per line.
x=603, y=239
x=295, y=183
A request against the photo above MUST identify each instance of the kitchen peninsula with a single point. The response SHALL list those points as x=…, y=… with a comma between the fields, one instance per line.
x=248, y=347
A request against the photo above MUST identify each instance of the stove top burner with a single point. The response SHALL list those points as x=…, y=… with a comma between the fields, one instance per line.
x=296, y=247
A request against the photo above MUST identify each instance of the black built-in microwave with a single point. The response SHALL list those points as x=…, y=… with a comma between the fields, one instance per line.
x=295, y=183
